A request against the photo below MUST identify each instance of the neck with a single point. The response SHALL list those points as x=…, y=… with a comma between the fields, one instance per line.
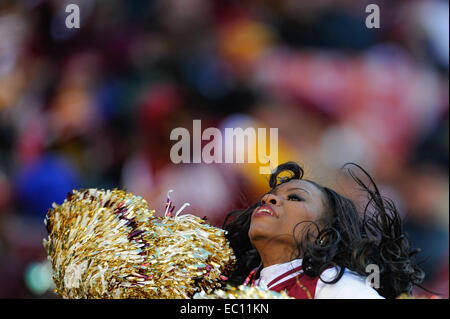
x=272, y=254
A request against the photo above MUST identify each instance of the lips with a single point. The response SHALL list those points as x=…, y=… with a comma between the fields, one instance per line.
x=265, y=210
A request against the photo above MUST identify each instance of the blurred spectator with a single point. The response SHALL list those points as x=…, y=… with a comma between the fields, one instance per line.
x=425, y=191
x=42, y=183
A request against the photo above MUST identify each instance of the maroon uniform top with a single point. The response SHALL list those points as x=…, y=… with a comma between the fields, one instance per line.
x=290, y=278
x=299, y=287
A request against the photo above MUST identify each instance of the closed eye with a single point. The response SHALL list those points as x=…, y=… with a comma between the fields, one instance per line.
x=294, y=197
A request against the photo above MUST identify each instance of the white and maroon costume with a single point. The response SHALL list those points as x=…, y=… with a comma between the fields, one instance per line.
x=290, y=278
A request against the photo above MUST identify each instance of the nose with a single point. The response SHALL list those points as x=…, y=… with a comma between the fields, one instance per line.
x=270, y=199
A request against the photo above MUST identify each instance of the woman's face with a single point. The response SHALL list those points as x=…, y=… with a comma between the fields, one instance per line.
x=281, y=210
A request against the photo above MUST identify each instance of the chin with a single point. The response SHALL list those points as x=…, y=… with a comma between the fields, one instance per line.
x=259, y=231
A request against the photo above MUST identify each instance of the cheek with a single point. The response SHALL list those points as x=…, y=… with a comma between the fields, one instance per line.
x=297, y=214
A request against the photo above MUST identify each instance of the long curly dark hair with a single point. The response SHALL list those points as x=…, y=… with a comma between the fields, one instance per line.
x=346, y=237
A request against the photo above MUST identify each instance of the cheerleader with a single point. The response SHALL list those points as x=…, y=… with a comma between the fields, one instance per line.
x=310, y=241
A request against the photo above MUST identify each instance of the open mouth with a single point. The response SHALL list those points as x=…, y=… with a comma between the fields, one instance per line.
x=265, y=210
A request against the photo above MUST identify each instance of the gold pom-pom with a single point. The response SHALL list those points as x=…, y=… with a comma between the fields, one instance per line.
x=109, y=244
x=242, y=292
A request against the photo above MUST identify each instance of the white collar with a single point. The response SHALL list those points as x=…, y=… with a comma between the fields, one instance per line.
x=270, y=273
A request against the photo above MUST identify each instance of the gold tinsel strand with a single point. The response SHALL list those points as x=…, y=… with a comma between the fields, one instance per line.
x=242, y=292
x=109, y=244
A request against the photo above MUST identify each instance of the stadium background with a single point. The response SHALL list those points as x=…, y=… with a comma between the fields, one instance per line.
x=94, y=107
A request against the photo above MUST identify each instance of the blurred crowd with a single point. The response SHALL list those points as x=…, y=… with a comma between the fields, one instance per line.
x=94, y=107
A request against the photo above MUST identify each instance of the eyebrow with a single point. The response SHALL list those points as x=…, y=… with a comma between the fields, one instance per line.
x=295, y=188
